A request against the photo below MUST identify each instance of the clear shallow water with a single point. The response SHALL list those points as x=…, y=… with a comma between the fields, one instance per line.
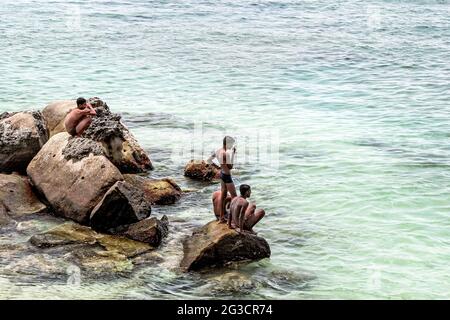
x=358, y=206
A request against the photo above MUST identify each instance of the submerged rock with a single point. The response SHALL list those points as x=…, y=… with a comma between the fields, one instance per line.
x=118, y=144
x=72, y=188
x=122, y=204
x=71, y=233
x=17, y=197
x=157, y=191
x=22, y=134
x=200, y=170
x=151, y=231
x=95, y=254
x=216, y=245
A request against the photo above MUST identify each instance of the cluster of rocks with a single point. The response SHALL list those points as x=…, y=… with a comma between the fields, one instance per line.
x=95, y=181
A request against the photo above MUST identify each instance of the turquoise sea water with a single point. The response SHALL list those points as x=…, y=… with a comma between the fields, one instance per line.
x=356, y=94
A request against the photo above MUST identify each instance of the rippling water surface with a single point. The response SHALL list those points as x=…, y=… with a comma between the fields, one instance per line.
x=358, y=92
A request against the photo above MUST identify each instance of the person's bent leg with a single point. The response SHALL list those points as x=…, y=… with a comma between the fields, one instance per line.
x=250, y=210
x=216, y=204
x=253, y=218
x=223, y=197
x=83, y=125
x=231, y=189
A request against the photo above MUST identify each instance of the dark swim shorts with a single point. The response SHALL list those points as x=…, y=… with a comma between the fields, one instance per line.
x=226, y=177
x=72, y=131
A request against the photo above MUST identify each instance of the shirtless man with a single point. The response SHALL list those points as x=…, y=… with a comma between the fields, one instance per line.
x=217, y=204
x=79, y=119
x=226, y=182
x=243, y=214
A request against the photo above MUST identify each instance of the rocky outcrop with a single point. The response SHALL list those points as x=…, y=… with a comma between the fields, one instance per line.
x=200, y=170
x=79, y=247
x=122, y=204
x=72, y=187
x=216, y=245
x=118, y=144
x=22, y=134
x=151, y=231
x=72, y=233
x=17, y=197
x=157, y=191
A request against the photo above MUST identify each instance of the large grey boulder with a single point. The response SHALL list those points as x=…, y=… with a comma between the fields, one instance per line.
x=122, y=204
x=17, y=197
x=22, y=134
x=72, y=184
x=157, y=191
x=151, y=231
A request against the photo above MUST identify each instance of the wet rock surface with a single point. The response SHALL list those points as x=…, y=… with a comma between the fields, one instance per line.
x=72, y=189
x=157, y=191
x=22, y=134
x=200, y=170
x=216, y=245
x=71, y=245
x=151, y=231
x=17, y=197
x=122, y=204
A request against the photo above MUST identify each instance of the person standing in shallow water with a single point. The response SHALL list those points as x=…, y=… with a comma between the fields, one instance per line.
x=226, y=182
x=80, y=118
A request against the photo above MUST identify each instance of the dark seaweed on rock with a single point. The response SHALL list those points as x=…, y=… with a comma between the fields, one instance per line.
x=104, y=126
x=41, y=125
x=79, y=148
x=97, y=103
x=5, y=115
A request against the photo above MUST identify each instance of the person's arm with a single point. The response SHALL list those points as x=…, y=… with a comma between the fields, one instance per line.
x=230, y=216
x=233, y=154
x=242, y=217
x=210, y=158
x=92, y=112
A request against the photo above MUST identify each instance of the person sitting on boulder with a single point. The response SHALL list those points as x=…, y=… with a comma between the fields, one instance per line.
x=80, y=118
x=217, y=204
x=244, y=215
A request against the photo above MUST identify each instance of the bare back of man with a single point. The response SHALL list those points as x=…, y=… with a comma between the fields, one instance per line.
x=217, y=204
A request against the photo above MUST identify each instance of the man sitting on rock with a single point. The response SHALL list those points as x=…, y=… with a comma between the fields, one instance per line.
x=217, y=204
x=244, y=215
x=80, y=118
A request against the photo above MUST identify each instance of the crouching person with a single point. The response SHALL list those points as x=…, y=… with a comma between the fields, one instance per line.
x=243, y=215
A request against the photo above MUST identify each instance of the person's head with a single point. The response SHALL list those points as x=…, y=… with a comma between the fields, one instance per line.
x=228, y=142
x=245, y=190
x=81, y=103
